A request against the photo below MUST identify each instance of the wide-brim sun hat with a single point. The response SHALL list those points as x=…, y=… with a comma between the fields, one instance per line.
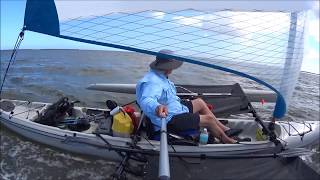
x=163, y=63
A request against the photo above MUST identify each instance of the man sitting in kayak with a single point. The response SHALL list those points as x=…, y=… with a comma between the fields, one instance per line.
x=157, y=97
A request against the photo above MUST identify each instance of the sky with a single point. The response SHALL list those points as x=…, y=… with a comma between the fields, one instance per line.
x=12, y=14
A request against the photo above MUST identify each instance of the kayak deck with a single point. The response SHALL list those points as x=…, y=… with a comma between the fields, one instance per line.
x=24, y=113
x=29, y=111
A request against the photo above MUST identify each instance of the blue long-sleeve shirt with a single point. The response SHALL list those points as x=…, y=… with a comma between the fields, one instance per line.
x=155, y=89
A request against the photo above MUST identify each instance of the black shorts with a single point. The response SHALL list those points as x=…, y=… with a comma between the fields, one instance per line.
x=184, y=121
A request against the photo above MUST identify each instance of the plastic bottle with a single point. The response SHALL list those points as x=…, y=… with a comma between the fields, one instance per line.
x=115, y=111
x=203, y=139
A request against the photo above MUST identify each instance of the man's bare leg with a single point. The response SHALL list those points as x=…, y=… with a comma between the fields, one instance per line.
x=206, y=121
x=201, y=107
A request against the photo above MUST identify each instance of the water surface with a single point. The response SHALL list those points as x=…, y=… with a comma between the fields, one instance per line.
x=47, y=75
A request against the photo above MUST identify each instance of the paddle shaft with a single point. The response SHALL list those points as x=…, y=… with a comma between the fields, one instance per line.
x=164, y=168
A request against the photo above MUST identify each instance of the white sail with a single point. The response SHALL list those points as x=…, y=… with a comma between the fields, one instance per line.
x=259, y=40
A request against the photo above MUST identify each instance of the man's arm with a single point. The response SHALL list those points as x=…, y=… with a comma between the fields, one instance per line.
x=150, y=94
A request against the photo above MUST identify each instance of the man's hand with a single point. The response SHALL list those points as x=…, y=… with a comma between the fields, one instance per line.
x=162, y=111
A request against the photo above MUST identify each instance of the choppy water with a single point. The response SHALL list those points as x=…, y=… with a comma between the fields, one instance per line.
x=46, y=75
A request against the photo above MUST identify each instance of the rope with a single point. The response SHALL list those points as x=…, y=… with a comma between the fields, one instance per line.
x=288, y=131
x=144, y=137
x=27, y=111
x=12, y=58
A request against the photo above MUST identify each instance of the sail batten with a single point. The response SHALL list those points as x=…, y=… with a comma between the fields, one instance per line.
x=263, y=45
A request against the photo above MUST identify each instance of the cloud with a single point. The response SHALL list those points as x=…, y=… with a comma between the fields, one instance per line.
x=312, y=54
x=311, y=61
x=314, y=29
x=158, y=14
x=243, y=27
x=315, y=8
x=313, y=22
x=195, y=21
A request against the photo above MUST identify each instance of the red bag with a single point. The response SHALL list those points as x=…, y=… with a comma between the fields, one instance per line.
x=130, y=110
x=210, y=106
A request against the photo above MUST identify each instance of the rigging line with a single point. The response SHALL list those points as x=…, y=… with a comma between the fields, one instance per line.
x=144, y=137
x=29, y=104
x=200, y=45
x=127, y=37
x=137, y=28
x=12, y=58
x=171, y=144
x=16, y=51
x=30, y=109
x=298, y=133
x=26, y=102
x=128, y=103
x=208, y=21
x=285, y=142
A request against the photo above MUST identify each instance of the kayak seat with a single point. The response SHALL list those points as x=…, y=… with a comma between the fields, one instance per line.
x=175, y=138
x=188, y=134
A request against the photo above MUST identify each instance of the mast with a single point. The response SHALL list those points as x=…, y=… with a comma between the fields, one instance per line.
x=290, y=69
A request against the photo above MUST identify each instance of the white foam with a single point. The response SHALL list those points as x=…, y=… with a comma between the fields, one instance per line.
x=4, y=174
